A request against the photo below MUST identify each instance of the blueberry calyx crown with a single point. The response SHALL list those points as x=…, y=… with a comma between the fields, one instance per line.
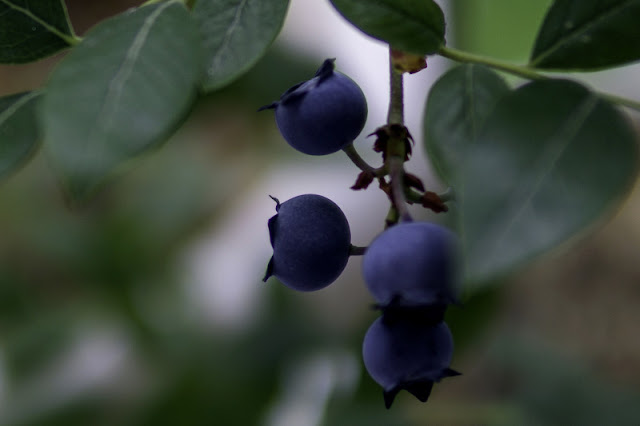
x=302, y=88
x=322, y=115
x=421, y=389
x=326, y=69
x=271, y=224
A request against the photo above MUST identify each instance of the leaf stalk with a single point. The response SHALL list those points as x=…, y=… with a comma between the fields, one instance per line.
x=523, y=71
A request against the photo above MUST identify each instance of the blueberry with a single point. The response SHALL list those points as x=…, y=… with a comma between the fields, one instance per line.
x=405, y=355
x=311, y=242
x=412, y=265
x=322, y=115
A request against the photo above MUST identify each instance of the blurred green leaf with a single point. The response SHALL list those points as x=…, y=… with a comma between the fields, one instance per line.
x=83, y=411
x=34, y=342
x=236, y=34
x=265, y=81
x=369, y=413
x=31, y=30
x=122, y=91
x=19, y=133
x=551, y=158
x=480, y=308
x=415, y=26
x=588, y=35
x=457, y=106
x=480, y=26
x=552, y=389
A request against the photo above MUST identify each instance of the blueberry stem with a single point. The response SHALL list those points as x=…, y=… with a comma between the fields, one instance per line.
x=396, y=98
x=396, y=173
x=392, y=217
x=396, y=147
x=414, y=196
x=357, y=250
x=353, y=155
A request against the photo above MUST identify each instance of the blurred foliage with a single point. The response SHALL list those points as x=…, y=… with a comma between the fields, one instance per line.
x=551, y=389
x=501, y=28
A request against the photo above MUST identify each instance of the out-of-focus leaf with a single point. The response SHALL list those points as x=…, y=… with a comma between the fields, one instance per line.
x=480, y=26
x=457, y=106
x=477, y=312
x=34, y=343
x=19, y=133
x=588, y=35
x=554, y=390
x=31, y=30
x=550, y=159
x=415, y=26
x=122, y=91
x=236, y=34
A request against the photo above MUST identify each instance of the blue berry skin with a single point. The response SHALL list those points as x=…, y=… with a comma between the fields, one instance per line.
x=402, y=354
x=412, y=265
x=311, y=242
x=322, y=115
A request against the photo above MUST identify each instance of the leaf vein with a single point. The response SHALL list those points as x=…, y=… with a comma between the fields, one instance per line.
x=65, y=37
x=227, y=37
x=119, y=80
x=558, y=143
x=11, y=110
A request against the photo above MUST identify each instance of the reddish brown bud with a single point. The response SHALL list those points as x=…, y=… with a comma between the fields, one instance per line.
x=407, y=62
x=432, y=201
x=363, y=180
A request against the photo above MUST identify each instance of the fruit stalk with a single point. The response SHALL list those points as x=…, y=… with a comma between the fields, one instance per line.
x=396, y=148
x=360, y=163
x=396, y=173
x=396, y=97
x=357, y=250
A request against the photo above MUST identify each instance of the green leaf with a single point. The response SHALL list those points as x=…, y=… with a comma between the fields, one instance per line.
x=415, y=26
x=19, y=134
x=236, y=34
x=32, y=30
x=588, y=35
x=457, y=106
x=550, y=159
x=122, y=91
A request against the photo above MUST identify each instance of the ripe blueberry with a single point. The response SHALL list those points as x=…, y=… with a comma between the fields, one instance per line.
x=322, y=115
x=402, y=354
x=311, y=242
x=412, y=266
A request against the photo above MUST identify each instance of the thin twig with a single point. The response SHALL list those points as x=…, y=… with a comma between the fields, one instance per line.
x=357, y=250
x=396, y=96
x=353, y=155
x=395, y=144
x=396, y=173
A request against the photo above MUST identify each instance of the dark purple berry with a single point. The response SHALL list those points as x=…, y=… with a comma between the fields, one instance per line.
x=322, y=115
x=311, y=242
x=412, y=265
x=406, y=355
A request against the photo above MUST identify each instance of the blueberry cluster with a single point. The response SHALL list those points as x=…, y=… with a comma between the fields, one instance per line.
x=409, y=269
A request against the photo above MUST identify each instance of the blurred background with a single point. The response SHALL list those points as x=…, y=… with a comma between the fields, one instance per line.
x=147, y=307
